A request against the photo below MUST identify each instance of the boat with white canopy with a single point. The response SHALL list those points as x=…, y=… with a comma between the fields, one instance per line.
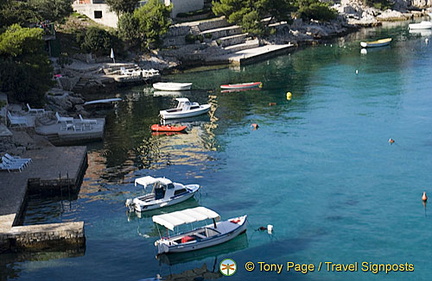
x=164, y=193
x=201, y=237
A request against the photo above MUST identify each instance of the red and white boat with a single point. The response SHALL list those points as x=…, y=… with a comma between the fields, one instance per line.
x=241, y=86
x=209, y=235
x=167, y=128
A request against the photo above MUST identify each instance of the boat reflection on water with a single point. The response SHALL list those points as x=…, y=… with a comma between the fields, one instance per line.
x=230, y=247
x=421, y=32
x=168, y=133
x=365, y=51
x=171, y=93
x=199, y=273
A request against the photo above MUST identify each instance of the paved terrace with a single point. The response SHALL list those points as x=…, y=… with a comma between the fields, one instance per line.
x=51, y=169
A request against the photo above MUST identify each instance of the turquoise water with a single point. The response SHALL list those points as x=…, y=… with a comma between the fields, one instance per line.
x=319, y=169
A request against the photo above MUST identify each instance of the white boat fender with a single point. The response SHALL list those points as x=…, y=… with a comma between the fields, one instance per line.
x=128, y=202
x=270, y=229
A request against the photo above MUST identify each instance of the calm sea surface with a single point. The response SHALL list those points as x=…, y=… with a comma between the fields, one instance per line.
x=319, y=169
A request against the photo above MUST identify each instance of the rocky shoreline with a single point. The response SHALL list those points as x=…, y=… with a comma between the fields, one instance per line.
x=83, y=78
x=179, y=55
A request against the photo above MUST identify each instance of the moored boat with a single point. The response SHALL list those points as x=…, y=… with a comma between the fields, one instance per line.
x=172, y=86
x=420, y=25
x=376, y=43
x=184, y=109
x=167, y=128
x=242, y=86
x=164, y=193
x=201, y=237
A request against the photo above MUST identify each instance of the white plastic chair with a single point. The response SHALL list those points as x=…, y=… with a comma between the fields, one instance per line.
x=63, y=119
x=35, y=110
x=87, y=121
x=5, y=165
x=17, y=159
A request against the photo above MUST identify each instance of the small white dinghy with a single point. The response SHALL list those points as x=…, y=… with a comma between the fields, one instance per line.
x=201, y=237
x=185, y=109
x=164, y=193
x=172, y=86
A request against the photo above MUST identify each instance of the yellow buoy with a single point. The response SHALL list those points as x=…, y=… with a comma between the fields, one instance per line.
x=289, y=96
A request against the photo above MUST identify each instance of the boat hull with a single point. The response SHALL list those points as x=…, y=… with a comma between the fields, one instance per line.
x=164, y=248
x=165, y=114
x=421, y=25
x=241, y=86
x=167, y=128
x=147, y=202
x=149, y=207
x=378, y=43
x=171, y=86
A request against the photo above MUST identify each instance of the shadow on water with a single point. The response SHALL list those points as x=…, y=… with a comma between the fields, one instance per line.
x=9, y=263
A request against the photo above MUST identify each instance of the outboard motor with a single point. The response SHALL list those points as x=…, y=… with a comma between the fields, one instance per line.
x=129, y=204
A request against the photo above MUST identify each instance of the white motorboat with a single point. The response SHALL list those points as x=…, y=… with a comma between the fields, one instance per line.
x=164, y=193
x=201, y=237
x=172, y=86
x=184, y=109
x=421, y=25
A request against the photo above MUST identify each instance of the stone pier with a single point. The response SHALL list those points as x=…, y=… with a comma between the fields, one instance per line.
x=53, y=171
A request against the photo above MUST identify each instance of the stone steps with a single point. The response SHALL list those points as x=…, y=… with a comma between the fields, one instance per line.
x=232, y=40
x=223, y=31
x=249, y=44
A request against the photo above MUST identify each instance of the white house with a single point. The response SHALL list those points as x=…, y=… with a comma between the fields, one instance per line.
x=96, y=10
x=99, y=11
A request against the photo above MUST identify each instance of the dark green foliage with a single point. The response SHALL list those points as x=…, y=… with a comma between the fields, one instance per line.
x=314, y=9
x=53, y=10
x=95, y=40
x=154, y=21
x=25, y=70
x=249, y=14
x=16, y=12
x=128, y=29
x=191, y=38
x=122, y=6
x=380, y=4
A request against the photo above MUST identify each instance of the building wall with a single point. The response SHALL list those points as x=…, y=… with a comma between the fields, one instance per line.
x=100, y=13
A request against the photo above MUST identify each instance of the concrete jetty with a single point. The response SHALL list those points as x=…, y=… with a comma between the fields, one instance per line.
x=53, y=170
x=251, y=55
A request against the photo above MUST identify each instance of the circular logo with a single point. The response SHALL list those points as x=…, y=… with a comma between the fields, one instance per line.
x=228, y=267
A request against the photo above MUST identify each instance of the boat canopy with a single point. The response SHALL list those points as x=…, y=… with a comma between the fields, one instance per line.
x=148, y=180
x=171, y=220
x=182, y=99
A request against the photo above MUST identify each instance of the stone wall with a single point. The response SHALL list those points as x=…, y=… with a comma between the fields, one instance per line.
x=41, y=236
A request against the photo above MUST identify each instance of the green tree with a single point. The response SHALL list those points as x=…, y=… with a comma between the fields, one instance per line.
x=314, y=9
x=128, y=26
x=122, y=6
x=53, y=10
x=250, y=14
x=153, y=21
x=25, y=69
x=380, y=4
x=16, y=12
x=95, y=40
